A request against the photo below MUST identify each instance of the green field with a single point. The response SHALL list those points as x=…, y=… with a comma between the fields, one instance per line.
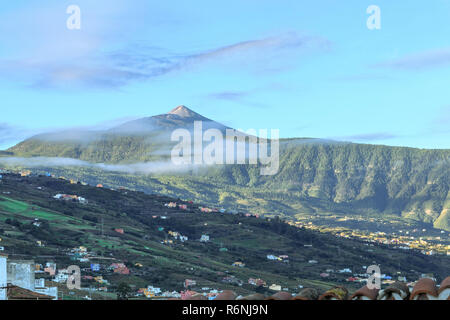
x=22, y=211
x=19, y=208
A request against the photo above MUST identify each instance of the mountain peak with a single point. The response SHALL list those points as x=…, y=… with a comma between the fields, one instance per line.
x=184, y=112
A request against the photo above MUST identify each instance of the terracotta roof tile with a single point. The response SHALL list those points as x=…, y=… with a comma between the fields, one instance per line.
x=445, y=284
x=444, y=289
x=424, y=289
x=396, y=291
x=365, y=292
x=18, y=293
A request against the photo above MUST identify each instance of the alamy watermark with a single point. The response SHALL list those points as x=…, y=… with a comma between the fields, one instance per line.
x=374, y=20
x=236, y=147
x=74, y=20
x=74, y=278
x=374, y=280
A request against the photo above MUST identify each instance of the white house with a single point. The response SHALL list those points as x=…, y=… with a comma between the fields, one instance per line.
x=39, y=287
x=275, y=287
x=345, y=270
x=62, y=276
x=153, y=290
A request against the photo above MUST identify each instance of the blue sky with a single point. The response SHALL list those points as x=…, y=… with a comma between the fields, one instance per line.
x=308, y=68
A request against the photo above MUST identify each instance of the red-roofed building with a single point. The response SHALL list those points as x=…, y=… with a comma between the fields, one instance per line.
x=18, y=293
x=189, y=283
x=120, y=268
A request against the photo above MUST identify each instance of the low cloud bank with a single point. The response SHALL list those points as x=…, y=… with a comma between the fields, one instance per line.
x=133, y=168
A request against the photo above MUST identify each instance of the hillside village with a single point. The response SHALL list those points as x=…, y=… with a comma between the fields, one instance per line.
x=403, y=240
x=104, y=268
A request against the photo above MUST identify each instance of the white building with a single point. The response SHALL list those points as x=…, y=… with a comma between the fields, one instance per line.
x=61, y=277
x=3, y=277
x=21, y=273
x=153, y=290
x=40, y=287
x=345, y=270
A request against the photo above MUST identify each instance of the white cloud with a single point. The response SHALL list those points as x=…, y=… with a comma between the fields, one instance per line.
x=420, y=61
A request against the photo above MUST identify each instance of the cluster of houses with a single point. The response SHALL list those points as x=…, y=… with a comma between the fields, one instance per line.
x=29, y=173
x=352, y=276
x=232, y=280
x=62, y=275
x=415, y=239
x=423, y=289
x=238, y=264
x=58, y=275
x=80, y=254
x=119, y=268
x=189, y=294
x=257, y=282
x=17, y=280
x=152, y=292
x=189, y=283
x=178, y=236
x=175, y=205
x=282, y=258
x=70, y=197
x=208, y=210
x=184, y=206
x=175, y=235
x=25, y=173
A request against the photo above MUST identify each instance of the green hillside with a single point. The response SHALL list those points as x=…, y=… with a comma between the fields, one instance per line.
x=314, y=176
x=69, y=224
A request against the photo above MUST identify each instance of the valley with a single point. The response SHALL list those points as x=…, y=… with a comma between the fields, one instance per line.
x=137, y=229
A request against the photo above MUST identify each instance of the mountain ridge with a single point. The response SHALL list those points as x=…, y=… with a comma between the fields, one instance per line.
x=314, y=175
